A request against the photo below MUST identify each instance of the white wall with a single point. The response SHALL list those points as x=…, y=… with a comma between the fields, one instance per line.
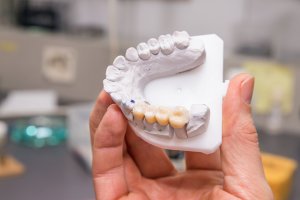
x=254, y=21
x=140, y=20
x=276, y=23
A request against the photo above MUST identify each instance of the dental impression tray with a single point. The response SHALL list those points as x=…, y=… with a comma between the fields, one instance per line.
x=170, y=89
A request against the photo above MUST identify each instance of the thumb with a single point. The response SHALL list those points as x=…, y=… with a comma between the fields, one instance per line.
x=241, y=160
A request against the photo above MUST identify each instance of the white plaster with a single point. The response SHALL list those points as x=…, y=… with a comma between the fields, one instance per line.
x=132, y=54
x=178, y=54
x=120, y=63
x=113, y=73
x=117, y=97
x=111, y=87
x=166, y=44
x=154, y=46
x=199, y=119
x=181, y=133
x=143, y=51
x=181, y=39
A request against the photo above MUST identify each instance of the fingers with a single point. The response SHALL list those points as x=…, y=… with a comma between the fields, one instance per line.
x=107, y=163
x=240, y=152
x=108, y=140
x=203, y=161
x=240, y=141
x=161, y=165
x=152, y=161
x=102, y=103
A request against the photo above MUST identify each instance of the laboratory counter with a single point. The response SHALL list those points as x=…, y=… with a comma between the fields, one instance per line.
x=51, y=173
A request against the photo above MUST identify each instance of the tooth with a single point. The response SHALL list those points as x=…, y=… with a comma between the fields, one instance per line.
x=138, y=112
x=199, y=119
x=132, y=54
x=143, y=51
x=110, y=87
x=113, y=74
x=120, y=63
x=178, y=120
x=179, y=117
x=181, y=39
x=150, y=114
x=156, y=121
x=153, y=46
x=166, y=44
x=162, y=116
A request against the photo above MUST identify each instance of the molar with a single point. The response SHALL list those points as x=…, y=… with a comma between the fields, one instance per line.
x=138, y=112
x=179, y=117
x=132, y=54
x=178, y=120
x=181, y=39
x=199, y=117
x=153, y=46
x=120, y=63
x=162, y=116
x=143, y=51
x=166, y=44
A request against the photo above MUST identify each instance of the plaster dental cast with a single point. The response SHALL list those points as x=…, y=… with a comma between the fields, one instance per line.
x=183, y=110
x=169, y=93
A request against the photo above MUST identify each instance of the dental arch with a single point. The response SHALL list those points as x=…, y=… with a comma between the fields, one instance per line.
x=127, y=77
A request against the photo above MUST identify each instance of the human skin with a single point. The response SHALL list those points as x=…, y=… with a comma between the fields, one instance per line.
x=126, y=167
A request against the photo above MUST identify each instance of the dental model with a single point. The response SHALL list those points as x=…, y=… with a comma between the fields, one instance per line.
x=170, y=89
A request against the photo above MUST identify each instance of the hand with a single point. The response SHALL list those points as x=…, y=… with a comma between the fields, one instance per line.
x=126, y=167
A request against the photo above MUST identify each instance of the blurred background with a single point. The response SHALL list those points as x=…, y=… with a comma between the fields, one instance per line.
x=53, y=56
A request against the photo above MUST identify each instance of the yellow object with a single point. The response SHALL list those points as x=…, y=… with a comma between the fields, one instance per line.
x=279, y=172
x=8, y=46
x=11, y=167
x=274, y=85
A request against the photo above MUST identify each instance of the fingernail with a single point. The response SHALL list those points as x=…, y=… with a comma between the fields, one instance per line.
x=105, y=99
x=111, y=107
x=247, y=89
